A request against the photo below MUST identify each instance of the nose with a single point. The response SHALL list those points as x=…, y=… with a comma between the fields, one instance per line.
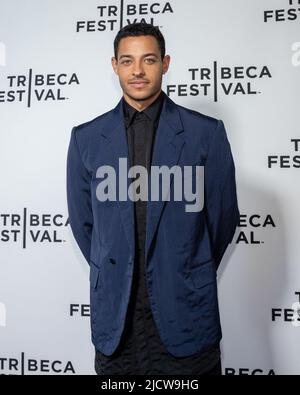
x=138, y=70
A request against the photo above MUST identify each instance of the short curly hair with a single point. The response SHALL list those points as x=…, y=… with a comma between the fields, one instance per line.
x=140, y=29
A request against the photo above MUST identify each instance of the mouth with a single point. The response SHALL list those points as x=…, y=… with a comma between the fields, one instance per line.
x=139, y=84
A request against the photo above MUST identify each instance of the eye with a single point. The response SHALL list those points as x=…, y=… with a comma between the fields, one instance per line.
x=150, y=60
x=126, y=62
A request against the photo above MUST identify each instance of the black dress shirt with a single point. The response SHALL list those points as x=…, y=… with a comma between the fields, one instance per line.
x=140, y=350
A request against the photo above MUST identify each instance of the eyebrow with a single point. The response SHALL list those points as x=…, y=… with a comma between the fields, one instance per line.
x=145, y=55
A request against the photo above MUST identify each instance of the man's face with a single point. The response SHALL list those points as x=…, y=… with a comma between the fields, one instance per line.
x=140, y=67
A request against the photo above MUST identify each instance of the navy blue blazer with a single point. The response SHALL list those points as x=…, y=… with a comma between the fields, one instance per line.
x=183, y=249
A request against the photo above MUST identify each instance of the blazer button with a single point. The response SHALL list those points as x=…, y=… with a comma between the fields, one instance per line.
x=112, y=261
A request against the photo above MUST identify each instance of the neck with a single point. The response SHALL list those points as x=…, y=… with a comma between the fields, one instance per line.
x=140, y=105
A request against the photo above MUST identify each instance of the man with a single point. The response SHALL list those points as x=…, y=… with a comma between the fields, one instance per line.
x=153, y=263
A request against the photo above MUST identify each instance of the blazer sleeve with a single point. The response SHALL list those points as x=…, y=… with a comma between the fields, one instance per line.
x=79, y=198
x=220, y=204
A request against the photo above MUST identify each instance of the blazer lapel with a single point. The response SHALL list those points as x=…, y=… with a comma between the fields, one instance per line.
x=115, y=133
x=168, y=145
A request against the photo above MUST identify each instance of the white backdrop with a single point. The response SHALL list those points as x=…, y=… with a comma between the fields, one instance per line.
x=238, y=61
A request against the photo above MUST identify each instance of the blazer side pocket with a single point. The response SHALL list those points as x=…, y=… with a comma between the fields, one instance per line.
x=203, y=274
x=94, y=274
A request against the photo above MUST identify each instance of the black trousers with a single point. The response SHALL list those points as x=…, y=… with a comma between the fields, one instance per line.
x=214, y=371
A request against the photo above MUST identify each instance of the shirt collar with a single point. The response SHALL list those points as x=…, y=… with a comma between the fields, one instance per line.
x=152, y=111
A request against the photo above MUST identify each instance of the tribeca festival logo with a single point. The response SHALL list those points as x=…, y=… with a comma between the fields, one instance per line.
x=289, y=314
x=252, y=226
x=24, y=366
x=79, y=310
x=292, y=160
x=218, y=80
x=32, y=88
x=2, y=314
x=115, y=16
x=31, y=228
x=138, y=189
x=248, y=372
x=290, y=11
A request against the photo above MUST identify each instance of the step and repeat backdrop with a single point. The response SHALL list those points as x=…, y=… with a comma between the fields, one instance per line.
x=236, y=60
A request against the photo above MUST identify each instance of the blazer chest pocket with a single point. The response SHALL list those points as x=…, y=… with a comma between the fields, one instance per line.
x=203, y=275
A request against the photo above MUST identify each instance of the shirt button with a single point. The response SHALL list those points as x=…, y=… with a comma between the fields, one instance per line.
x=140, y=115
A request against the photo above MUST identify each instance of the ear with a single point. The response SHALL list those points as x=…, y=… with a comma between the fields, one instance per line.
x=114, y=64
x=166, y=63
